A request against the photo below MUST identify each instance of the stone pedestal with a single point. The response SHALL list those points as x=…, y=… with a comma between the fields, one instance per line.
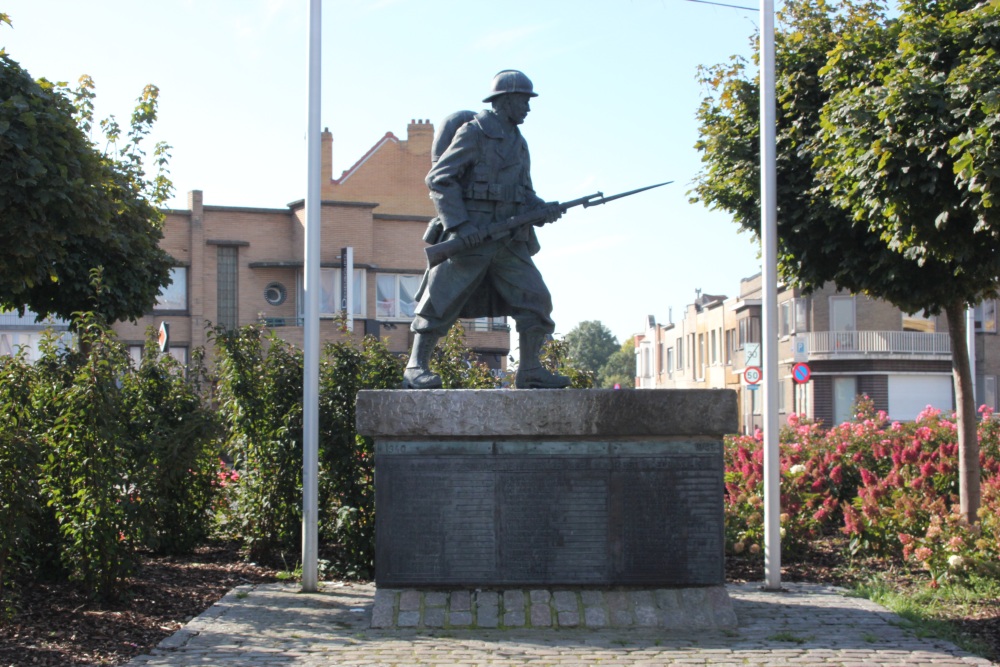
x=536, y=488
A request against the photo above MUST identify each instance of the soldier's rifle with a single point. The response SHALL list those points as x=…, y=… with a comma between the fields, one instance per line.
x=439, y=252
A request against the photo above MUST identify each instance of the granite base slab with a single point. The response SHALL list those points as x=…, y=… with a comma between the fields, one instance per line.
x=701, y=608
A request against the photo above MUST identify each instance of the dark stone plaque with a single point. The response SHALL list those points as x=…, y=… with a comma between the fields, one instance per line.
x=510, y=512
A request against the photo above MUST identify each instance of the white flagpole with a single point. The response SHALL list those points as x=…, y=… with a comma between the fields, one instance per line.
x=769, y=275
x=311, y=288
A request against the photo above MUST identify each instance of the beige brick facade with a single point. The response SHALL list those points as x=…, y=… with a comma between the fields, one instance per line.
x=868, y=346
x=379, y=207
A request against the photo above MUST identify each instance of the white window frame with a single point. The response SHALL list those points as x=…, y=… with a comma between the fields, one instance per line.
x=329, y=293
x=393, y=314
x=174, y=297
x=986, y=316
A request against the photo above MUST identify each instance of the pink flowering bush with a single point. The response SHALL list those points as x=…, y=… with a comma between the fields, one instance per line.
x=890, y=487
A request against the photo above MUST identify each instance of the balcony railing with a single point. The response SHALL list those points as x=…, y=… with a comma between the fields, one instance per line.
x=877, y=343
x=11, y=320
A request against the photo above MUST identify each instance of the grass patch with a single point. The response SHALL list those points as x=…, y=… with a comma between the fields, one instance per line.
x=930, y=612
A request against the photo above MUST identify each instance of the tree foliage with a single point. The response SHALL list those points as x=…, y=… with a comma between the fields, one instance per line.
x=67, y=207
x=886, y=163
x=620, y=367
x=589, y=345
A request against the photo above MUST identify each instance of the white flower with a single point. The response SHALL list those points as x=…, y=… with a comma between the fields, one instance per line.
x=956, y=562
x=797, y=469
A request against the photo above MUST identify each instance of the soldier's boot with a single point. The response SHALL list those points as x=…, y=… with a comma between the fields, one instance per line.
x=418, y=373
x=530, y=372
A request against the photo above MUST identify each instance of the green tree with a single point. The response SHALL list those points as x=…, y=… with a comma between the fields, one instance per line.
x=67, y=208
x=885, y=161
x=589, y=345
x=620, y=367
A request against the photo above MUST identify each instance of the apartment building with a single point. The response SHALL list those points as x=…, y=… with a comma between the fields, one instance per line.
x=237, y=265
x=850, y=345
x=21, y=333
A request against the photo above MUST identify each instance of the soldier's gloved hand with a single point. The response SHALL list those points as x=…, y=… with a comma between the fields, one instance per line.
x=471, y=235
x=552, y=213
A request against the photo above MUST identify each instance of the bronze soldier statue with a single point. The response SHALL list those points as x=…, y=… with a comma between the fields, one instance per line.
x=482, y=177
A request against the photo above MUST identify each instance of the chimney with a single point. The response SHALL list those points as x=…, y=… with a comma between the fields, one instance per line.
x=419, y=135
x=326, y=159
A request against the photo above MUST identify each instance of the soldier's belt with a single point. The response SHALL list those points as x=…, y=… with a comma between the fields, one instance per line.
x=495, y=192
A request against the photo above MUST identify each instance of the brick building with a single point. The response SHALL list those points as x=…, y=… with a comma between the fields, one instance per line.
x=851, y=344
x=237, y=265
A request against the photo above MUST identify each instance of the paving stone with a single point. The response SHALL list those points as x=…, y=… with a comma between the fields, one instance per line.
x=568, y=619
x=595, y=617
x=461, y=601
x=435, y=599
x=514, y=619
x=409, y=600
x=278, y=626
x=460, y=619
x=513, y=600
x=541, y=615
x=487, y=609
x=434, y=617
x=408, y=619
x=565, y=601
x=537, y=596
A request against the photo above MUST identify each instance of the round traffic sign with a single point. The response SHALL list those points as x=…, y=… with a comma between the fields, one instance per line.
x=752, y=374
x=801, y=373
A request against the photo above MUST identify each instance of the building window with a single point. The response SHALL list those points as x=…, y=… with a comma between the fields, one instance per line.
x=330, y=293
x=179, y=353
x=785, y=318
x=749, y=331
x=173, y=296
x=680, y=353
x=670, y=360
x=227, y=270
x=801, y=316
x=396, y=295
x=986, y=391
x=730, y=345
x=701, y=355
x=986, y=316
x=489, y=324
x=919, y=321
x=715, y=348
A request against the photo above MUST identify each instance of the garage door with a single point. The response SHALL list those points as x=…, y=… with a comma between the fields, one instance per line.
x=910, y=394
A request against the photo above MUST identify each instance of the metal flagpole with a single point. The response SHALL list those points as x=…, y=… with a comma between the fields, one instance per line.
x=311, y=288
x=769, y=275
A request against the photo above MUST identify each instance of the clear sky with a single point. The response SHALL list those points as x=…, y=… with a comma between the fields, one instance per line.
x=616, y=110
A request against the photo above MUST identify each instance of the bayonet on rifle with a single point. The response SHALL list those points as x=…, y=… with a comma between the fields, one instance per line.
x=439, y=252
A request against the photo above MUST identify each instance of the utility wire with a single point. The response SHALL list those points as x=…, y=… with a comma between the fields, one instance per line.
x=723, y=4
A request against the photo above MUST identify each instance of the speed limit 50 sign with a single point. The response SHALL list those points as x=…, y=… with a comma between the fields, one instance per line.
x=752, y=374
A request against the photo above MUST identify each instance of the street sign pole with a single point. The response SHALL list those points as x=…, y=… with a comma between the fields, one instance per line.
x=311, y=288
x=769, y=271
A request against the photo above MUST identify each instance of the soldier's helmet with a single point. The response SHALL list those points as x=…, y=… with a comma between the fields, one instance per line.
x=510, y=81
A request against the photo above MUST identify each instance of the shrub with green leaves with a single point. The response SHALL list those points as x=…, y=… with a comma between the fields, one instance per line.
x=260, y=404
x=85, y=453
x=347, y=460
x=20, y=509
x=173, y=438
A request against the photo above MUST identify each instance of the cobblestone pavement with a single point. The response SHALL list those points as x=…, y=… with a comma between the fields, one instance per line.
x=274, y=625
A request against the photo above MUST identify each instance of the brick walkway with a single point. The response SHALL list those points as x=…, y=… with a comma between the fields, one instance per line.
x=274, y=625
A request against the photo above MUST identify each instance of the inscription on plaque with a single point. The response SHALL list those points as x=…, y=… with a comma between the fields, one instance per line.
x=506, y=513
